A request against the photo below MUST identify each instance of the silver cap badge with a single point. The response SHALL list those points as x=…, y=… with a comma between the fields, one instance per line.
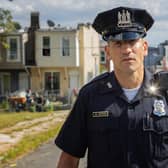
x=124, y=19
x=159, y=108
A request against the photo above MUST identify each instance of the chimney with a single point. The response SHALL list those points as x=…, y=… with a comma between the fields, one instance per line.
x=30, y=44
x=35, y=20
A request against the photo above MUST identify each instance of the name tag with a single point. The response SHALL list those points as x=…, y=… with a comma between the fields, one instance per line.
x=100, y=114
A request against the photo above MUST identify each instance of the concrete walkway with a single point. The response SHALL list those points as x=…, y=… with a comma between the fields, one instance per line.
x=46, y=156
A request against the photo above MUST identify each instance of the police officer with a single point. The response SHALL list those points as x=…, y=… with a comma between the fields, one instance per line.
x=116, y=117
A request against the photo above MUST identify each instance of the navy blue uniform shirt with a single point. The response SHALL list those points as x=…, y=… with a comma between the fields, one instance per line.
x=116, y=132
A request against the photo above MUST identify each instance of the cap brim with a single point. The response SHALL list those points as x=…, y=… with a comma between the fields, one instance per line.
x=124, y=36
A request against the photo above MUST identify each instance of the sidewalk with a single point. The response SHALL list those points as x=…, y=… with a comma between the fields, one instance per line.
x=46, y=156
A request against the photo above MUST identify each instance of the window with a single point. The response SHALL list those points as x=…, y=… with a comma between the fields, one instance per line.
x=13, y=48
x=102, y=57
x=46, y=46
x=65, y=47
x=52, y=81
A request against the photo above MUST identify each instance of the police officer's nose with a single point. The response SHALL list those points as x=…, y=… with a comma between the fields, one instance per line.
x=126, y=48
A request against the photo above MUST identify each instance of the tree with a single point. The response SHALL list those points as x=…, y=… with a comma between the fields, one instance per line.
x=7, y=25
x=17, y=25
x=6, y=22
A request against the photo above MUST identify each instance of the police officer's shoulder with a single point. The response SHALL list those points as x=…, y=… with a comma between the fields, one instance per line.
x=100, y=79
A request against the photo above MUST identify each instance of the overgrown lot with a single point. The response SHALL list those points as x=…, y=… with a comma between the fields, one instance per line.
x=8, y=119
x=27, y=130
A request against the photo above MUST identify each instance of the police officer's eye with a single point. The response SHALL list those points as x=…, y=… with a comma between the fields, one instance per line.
x=132, y=42
x=117, y=43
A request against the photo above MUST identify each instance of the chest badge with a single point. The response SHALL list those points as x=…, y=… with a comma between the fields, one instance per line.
x=99, y=114
x=159, y=108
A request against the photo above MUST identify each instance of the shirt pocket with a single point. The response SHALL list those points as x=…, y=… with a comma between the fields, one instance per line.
x=156, y=135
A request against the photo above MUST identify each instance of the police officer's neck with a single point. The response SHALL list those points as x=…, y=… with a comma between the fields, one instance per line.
x=130, y=80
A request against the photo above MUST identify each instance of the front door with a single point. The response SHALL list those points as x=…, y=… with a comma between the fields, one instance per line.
x=23, y=81
x=52, y=82
x=5, y=83
x=74, y=80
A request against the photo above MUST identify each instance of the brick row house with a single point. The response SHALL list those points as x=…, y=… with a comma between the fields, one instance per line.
x=51, y=60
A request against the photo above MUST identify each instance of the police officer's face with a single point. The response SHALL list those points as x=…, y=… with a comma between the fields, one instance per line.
x=127, y=56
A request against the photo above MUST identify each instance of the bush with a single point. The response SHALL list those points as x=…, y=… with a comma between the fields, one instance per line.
x=32, y=108
x=48, y=108
x=5, y=105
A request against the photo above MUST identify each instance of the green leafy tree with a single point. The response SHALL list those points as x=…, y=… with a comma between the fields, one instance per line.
x=17, y=25
x=7, y=24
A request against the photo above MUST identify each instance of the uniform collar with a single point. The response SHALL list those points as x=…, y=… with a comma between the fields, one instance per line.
x=143, y=91
x=110, y=84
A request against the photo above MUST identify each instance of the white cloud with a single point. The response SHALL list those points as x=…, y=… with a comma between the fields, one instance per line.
x=64, y=4
x=161, y=25
x=30, y=7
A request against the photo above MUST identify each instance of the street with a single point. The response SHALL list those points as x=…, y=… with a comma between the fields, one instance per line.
x=46, y=156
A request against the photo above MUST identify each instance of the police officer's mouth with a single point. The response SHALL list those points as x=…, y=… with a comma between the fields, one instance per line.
x=128, y=59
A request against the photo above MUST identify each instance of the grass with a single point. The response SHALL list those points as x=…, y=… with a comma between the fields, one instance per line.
x=8, y=119
x=29, y=143
x=23, y=127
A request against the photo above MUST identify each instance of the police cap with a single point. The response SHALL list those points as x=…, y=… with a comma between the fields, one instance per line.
x=123, y=23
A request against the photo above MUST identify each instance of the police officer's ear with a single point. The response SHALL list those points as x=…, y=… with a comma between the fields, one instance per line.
x=107, y=51
x=145, y=47
x=108, y=58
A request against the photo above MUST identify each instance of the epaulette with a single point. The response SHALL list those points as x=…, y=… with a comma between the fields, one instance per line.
x=100, y=77
x=97, y=78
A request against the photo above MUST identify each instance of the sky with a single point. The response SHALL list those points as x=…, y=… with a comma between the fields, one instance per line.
x=71, y=12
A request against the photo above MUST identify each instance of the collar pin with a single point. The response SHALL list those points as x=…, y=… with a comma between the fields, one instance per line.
x=109, y=85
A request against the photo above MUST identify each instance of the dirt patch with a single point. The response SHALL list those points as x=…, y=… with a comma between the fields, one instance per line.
x=12, y=135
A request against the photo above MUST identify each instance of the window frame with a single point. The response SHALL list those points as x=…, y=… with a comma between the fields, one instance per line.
x=46, y=48
x=65, y=50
